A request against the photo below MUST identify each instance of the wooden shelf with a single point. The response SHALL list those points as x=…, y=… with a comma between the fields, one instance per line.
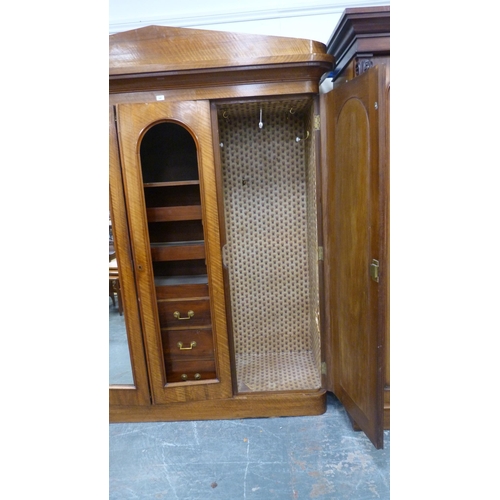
x=179, y=213
x=198, y=279
x=180, y=250
x=171, y=183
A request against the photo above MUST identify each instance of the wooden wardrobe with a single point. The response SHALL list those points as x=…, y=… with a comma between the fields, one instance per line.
x=250, y=220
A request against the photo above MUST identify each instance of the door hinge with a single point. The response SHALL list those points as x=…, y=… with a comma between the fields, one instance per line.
x=320, y=253
x=374, y=269
x=317, y=122
x=323, y=368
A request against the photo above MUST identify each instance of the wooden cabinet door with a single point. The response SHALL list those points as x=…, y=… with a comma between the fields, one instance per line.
x=355, y=191
x=183, y=370
x=126, y=342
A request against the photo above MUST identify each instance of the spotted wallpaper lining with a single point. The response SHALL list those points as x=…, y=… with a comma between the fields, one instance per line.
x=271, y=251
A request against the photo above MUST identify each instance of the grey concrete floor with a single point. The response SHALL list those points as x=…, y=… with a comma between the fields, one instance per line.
x=264, y=458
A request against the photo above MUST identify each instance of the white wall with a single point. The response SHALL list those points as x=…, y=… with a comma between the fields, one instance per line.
x=313, y=19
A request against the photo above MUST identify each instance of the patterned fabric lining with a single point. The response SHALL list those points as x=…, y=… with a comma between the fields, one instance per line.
x=271, y=252
x=276, y=371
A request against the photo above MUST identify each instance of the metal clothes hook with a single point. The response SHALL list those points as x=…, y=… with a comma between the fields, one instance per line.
x=260, y=122
x=298, y=139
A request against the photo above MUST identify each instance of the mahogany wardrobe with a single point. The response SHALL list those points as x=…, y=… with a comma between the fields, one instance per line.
x=249, y=208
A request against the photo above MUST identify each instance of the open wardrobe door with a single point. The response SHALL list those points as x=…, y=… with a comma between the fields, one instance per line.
x=355, y=192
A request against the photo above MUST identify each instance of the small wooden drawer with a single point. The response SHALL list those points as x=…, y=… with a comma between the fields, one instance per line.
x=190, y=371
x=185, y=344
x=183, y=314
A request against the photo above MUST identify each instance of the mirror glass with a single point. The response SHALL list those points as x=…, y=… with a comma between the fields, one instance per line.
x=120, y=367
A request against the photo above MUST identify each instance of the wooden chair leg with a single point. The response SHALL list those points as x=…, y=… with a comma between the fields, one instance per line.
x=119, y=295
x=112, y=292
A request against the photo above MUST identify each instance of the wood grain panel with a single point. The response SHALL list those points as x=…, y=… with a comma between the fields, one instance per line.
x=176, y=231
x=185, y=291
x=387, y=385
x=159, y=49
x=164, y=214
x=133, y=121
x=243, y=406
x=247, y=89
x=178, y=251
x=154, y=57
x=355, y=235
x=352, y=204
x=137, y=394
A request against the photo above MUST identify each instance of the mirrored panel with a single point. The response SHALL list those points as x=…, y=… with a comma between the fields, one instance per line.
x=120, y=367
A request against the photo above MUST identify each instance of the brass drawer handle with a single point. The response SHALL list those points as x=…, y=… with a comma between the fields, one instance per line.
x=177, y=315
x=180, y=346
x=184, y=377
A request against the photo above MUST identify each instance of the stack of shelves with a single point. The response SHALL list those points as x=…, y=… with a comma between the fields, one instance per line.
x=175, y=224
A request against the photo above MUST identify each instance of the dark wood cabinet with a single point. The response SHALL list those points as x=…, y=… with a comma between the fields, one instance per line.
x=252, y=214
x=361, y=41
